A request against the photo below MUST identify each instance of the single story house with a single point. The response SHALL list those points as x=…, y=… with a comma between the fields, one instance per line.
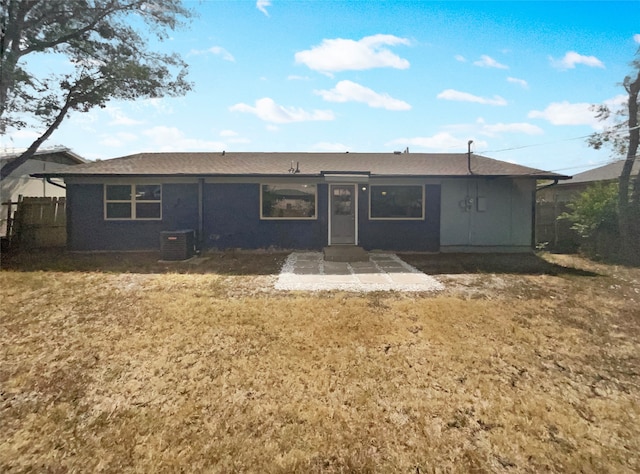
x=448, y=202
x=20, y=182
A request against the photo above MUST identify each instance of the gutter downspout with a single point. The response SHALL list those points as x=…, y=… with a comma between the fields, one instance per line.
x=469, y=207
x=48, y=179
x=555, y=181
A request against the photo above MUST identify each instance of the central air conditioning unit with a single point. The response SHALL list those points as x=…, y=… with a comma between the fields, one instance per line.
x=177, y=244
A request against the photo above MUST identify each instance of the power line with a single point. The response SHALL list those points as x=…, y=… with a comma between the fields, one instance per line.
x=601, y=163
x=616, y=132
x=591, y=164
x=536, y=145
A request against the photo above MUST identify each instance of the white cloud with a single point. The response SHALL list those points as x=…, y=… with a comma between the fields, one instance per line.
x=480, y=127
x=267, y=110
x=619, y=100
x=119, y=118
x=581, y=113
x=332, y=147
x=159, y=105
x=348, y=91
x=520, y=82
x=262, y=6
x=572, y=58
x=451, y=94
x=116, y=140
x=85, y=118
x=566, y=113
x=517, y=127
x=460, y=58
x=172, y=139
x=441, y=141
x=18, y=140
x=26, y=134
x=233, y=136
x=215, y=50
x=636, y=38
x=348, y=55
x=488, y=61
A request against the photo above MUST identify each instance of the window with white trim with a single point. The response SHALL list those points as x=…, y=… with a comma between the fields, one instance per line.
x=132, y=201
x=404, y=202
x=288, y=201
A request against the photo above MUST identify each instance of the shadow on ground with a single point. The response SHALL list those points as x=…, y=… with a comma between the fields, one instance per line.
x=224, y=263
x=524, y=264
x=267, y=263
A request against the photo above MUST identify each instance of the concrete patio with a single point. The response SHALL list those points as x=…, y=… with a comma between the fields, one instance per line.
x=309, y=271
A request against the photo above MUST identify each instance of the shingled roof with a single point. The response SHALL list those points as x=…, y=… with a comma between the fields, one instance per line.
x=307, y=164
x=57, y=155
x=609, y=172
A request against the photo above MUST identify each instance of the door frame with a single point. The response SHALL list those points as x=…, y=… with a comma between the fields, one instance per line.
x=355, y=211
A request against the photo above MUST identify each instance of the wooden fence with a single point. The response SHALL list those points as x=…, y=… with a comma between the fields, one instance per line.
x=38, y=222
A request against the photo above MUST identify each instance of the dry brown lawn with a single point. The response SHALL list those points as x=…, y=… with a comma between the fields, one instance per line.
x=120, y=364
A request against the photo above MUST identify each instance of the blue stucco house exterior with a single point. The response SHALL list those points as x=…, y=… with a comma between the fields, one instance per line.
x=452, y=202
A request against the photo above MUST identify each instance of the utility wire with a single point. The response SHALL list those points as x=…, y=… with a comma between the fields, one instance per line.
x=616, y=132
x=591, y=164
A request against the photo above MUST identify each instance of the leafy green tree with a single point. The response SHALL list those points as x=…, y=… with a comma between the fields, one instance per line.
x=623, y=138
x=594, y=210
x=107, y=47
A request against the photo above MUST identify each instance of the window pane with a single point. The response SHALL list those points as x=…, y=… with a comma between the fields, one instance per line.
x=118, y=210
x=396, y=202
x=289, y=201
x=148, y=192
x=118, y=192
x=342, y=202
x=147, y=210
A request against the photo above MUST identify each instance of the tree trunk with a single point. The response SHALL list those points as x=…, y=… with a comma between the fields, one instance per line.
x=13, y=165
x=12, y=23
x=629, y=199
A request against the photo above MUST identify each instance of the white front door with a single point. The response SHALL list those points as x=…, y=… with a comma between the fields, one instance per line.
x=342, y=214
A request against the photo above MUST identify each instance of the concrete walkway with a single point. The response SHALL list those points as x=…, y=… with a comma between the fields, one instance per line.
x=308, y=271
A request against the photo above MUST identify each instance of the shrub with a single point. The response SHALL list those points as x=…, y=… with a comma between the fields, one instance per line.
x=594, y=216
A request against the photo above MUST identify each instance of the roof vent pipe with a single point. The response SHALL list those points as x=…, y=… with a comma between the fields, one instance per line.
x=406, y=150
x=469, y=156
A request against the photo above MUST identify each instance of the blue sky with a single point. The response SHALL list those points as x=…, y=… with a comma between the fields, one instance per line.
x=376, y=76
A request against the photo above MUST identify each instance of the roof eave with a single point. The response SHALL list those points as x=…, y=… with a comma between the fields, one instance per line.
x=289, y=175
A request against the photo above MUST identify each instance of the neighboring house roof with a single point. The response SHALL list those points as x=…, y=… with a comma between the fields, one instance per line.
x=61, y=155
x=306, y=164
x=608, y=172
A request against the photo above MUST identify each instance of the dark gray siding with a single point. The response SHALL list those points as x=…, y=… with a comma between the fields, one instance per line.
x=231, y=215
x=232, y=220
x=88, y=230
x=421, y=235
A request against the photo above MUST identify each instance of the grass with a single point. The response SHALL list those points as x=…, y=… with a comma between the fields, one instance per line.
x=122, y=364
